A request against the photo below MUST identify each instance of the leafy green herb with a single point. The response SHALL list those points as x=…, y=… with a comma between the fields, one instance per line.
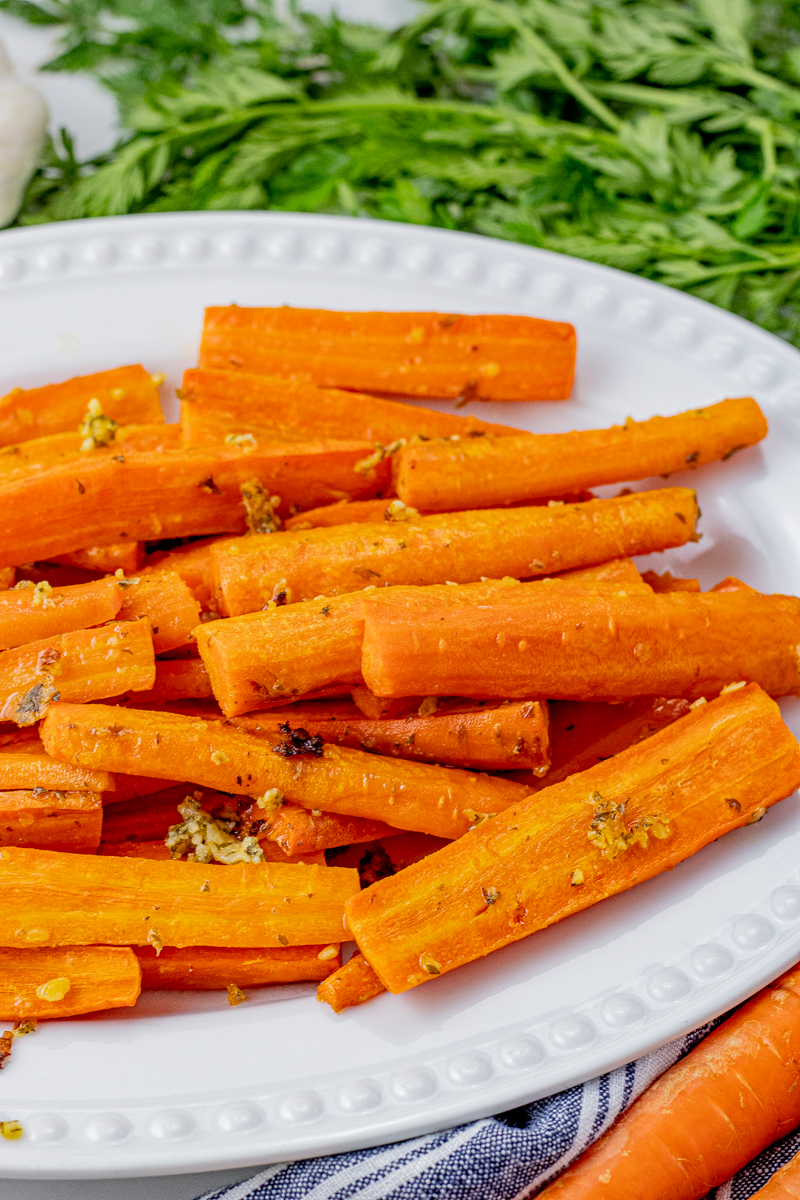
x=659, y=136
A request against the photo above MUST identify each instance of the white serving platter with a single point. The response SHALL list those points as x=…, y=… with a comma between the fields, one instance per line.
x=184, y=1083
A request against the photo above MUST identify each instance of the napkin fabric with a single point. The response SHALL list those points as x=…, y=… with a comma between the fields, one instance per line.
x=506, y=1157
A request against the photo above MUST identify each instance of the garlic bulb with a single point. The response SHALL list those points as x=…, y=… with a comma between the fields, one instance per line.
x=23, y=122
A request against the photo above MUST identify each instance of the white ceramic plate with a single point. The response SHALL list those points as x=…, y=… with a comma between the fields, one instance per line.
x=187, y=1083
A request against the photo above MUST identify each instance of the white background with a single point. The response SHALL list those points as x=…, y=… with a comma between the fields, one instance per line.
x=89, y=113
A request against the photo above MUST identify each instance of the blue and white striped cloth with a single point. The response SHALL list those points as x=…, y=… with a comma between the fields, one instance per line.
x=506, y=1157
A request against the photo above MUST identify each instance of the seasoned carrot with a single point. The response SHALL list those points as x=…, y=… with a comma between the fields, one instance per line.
x=215, y=403
x=7, y=577
x=27, y=765
x=784, y=1184
x=126, y=394
x=456, y=547
x=354, y=512
x=574, y=844
x=731, y=1096
x=213, y=968
x=192, y=562
x=670, y=583
x=169, y=493
x=583, y=734
x=129, y=787
x=354, y=983
x=490, y=737
x=120, y=556
x=180, y=679
x=39, y=611
x=48, y=820
x=166, y=600
x=385, y=855
x=287, y=652
x=146, y=818
x=439, y=800
x=441, y=476
x=296, y=830
x=89, y=664
x=157, y=850
x=379, y=708
x=579, y=645
x=731, y=584
x=422, y=354
x=75, y=899
x=66, y=981
x=27, y=459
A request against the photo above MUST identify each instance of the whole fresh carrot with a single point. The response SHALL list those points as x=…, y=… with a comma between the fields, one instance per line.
x=170, y=493
x=407, y=795
x=574, y=844
x=41, y=611
x=456, y=547
x=578, y=645
x=65, y=981
x=129, y=395
x=441, y=476
x=705, y=1118
x=422, y=354
x=239, y=403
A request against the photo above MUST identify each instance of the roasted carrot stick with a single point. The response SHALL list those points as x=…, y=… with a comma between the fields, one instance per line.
x=298, y=831
x=170, y=493
x=7, y=577
x=353, y=512
x=40, y=611
x=130, y=787
x=353, y=983
x=572, y=845
x=88, y=664
x=217, y=402
x=180, y=679
x=457, y=547
x=379, y=708
x=731, y=1096
x=438, y=800
x=287, y=652
x=441, y=476
x=146, y=818
x=68, y=821
x=731, y=584
x=192, y=562
x=490, y=737
x=26, y=765
x=214, y=968
x=158, y=850
x=166, y=600
x=124, y=556
x=784, y=1184
x=75, y=899
x=669, y=583
x=423, y=354
x=583, y=734
x=26, y=459
x=66, y=981
x=573, y=645
x=126, y=394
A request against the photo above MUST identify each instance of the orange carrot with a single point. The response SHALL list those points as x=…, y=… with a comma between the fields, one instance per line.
x=124, y=556
x=386, y=855
x=148, y=818
x=420, y=354
x=731, y=1096
x=579, y=645
x=66, y=981
x=583, y=734
x=354, y=983
x=215, y=403
x=27, y=459
x=669, y=583
x=89, y=664
x=296, y=830
x=379, y=708
x=408, y=795
x=26, y=765
x=213, y=968
x=68, y=821
x=354, y=512
x=129, y=787
x=192, y=562
x=169, y=493
x=456, y=547
x=574, y=844
x=169, y=604
x=180, y=679
x=158, y=850
x=75, y=899
x=40, y=611
x=7, y=577
x=731, y=584
x=490, y=737
x=126, y=394
x=784, y=1184
x=441, y=476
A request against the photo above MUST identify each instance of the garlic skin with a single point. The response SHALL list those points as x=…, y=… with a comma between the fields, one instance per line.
x=23, y=123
